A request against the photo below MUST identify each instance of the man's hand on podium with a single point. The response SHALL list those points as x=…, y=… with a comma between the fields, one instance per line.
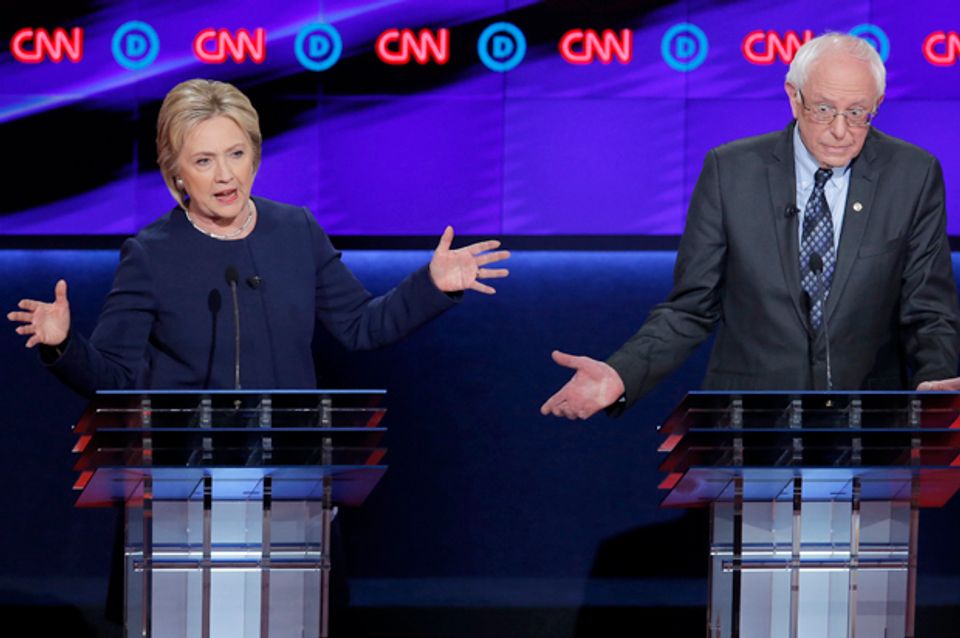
x=943, y=385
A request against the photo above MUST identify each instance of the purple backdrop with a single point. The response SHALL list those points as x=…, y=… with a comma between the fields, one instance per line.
x=545, y=148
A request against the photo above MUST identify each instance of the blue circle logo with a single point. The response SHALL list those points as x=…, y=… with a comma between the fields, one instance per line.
x=875, y=36
x=501, y=46
x=684, y=47
x=135, y=45
x=318, y=46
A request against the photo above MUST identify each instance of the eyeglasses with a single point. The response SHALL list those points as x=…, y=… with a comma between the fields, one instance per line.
x=826, y=114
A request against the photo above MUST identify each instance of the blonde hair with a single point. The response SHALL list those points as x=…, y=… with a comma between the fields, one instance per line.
x=194, y=101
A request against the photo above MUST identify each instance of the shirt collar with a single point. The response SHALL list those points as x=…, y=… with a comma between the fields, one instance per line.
x=807, y=164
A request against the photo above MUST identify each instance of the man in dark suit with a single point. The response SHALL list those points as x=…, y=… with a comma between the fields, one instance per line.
x=827, y=230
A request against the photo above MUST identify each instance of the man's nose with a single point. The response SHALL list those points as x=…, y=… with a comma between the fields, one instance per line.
x=839, y=126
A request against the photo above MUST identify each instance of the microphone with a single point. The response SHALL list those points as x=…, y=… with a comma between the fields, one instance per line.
x=232, y=277
x=790, y=210
x=816, y=267
x=255, y=281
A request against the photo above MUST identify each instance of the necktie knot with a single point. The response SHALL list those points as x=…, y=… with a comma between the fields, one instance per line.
x=822, y=175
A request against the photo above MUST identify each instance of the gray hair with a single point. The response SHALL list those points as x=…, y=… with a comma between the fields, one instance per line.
x=834, y=42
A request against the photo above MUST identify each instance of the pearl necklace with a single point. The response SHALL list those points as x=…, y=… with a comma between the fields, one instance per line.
x=232, y=234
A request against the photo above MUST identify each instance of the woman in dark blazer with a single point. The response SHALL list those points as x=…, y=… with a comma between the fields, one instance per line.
x=168, y=321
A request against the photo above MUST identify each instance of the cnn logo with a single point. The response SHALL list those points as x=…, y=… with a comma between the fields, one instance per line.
x=32, y=46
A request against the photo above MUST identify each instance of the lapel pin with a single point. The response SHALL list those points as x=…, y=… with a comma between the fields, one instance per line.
x=857, y=207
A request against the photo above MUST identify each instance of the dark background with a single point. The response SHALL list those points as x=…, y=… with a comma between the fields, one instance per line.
x=491, y=518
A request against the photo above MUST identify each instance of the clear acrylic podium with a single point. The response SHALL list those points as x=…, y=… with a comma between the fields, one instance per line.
x=814, y=503
x=229, y=498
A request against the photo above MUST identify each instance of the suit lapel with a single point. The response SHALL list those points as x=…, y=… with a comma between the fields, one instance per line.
x=863, y=183
x=781, y=176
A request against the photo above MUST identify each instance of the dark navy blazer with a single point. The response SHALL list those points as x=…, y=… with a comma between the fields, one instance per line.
x=168, y=320
x=892, y=309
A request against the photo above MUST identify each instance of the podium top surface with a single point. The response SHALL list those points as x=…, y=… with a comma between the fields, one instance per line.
x=759, y=443
x=162, y=409
x=171, y=439
x=835, y=410
x=241, y=392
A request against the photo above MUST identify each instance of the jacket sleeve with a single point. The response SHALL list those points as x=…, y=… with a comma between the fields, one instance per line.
x=355, y=317
x=928, y=295
x=681, y=323
x=113, y=355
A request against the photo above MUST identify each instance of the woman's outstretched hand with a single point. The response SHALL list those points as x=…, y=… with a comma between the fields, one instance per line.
x=46, y=323
x=461, y=269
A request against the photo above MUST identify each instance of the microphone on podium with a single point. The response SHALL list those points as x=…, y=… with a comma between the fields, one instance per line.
x=232, y=277
x=816, y=267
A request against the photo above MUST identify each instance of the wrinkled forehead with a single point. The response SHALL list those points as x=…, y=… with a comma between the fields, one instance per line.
x=841, y=78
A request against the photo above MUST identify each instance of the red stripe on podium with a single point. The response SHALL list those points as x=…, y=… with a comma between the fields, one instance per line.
x=670, y=481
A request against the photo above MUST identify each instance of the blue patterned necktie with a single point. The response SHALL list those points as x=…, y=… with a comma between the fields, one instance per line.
x=817, y=239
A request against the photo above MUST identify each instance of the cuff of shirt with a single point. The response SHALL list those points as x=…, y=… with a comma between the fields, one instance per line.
x=49, y=355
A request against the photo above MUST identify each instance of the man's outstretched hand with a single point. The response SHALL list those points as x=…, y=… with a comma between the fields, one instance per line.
x=594, y=386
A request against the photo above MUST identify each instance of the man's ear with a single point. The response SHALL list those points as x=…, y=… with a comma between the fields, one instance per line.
x=791, y=92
